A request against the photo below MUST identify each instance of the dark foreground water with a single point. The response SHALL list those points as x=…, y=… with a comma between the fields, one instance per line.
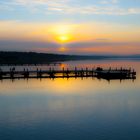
x=73, y=109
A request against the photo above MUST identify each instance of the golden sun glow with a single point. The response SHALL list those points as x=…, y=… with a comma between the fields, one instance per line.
x=62, y=29
x=62, y=33
x=63, y=38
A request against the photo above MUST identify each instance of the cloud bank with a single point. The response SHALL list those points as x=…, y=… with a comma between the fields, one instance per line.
x=72, y=48
x=102, y=7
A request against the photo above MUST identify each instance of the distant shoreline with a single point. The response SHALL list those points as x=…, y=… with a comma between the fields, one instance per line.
x=21, y=58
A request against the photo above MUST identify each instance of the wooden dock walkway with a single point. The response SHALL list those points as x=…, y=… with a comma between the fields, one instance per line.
x=100, y=73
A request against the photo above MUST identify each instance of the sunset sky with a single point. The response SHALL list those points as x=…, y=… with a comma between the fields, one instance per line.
x=70, y=26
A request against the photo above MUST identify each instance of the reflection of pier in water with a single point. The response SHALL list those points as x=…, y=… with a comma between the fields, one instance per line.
x=100, y=73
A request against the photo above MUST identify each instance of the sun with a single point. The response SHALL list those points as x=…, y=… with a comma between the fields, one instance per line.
x=62, y=33
x=63, y=38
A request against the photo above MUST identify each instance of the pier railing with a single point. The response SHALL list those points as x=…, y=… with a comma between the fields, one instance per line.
x=99, y=73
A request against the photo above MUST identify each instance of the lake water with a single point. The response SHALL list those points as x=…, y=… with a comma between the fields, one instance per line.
x=71, y=109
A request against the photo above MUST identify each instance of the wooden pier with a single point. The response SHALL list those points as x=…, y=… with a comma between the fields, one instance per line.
x=100, y=73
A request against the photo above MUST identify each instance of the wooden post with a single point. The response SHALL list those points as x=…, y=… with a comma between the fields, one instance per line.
x=92, y=72
x=1, y=74
x=53, y=73
x=67, y=73
x=82, y=72
x=75, y=72
x=86, y=71
x=27, y=74
x=11, y=74
x=40, y=73
x=37, y=73
x=63, y=72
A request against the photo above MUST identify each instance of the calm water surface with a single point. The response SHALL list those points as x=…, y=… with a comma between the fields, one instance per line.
x=71, y=109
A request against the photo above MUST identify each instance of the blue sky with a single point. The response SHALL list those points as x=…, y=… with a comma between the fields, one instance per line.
x=75, y=10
